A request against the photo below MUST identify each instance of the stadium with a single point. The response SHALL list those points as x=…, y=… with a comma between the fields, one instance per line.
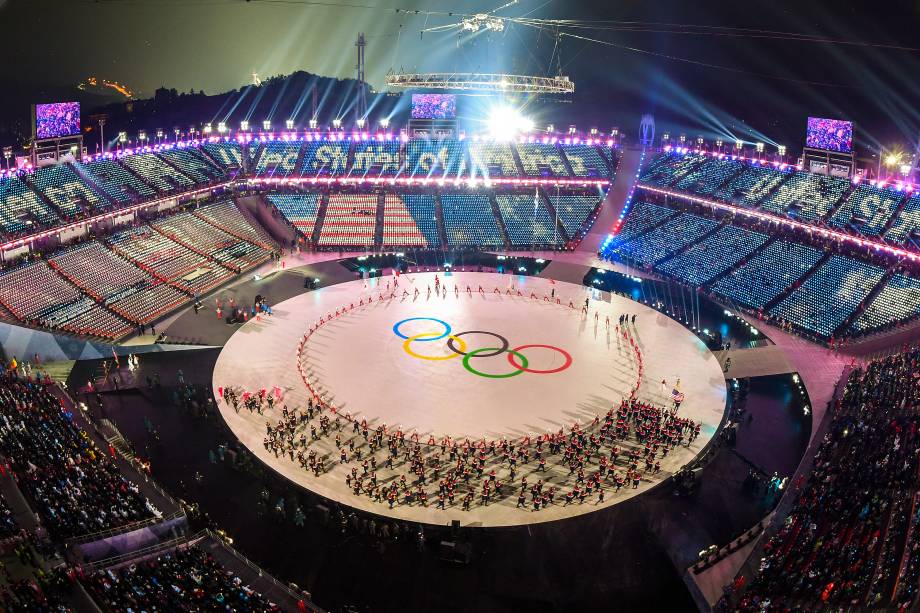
x=311, y=346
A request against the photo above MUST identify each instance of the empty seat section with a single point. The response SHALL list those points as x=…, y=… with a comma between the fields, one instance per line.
x=228, y=155
x=667, y=168
x=21, y=209
x=867, y=209
x=905, y=230
x=541, y=160
x=714, y=255
x=228, y=217
x=399, y=226
x=751, y=185
x=33, y=290
x=64, y=188
x=830, y=295
x=376, y=159
x=200, y=236
x=351, y=220
x=708, y=176
x=121, y=286
x=156, y=172
x=586, y=161
x=422, y=209
x=470, y=222
x=767, y=274
x=897, y=301
x=325, y=158
x=806, y=196
x=279, y=158
x=435, y=159
x=299, y=209
x=168, y=260
x=193, y=164
x=640, y=217
x=527, y=221
x=573, y=210
x=669, y=237
x=491, y=160
x=118, y=183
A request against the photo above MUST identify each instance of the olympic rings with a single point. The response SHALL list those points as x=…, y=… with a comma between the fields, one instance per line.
x=566, y=364
x=408, y=349
x=513, y=373
x=504, y=347
x=459, y=348
x=436, y=338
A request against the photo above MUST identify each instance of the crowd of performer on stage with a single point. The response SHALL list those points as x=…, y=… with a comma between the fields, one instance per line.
x=574, y=465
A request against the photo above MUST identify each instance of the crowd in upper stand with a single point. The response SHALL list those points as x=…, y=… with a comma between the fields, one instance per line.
x=851, y=540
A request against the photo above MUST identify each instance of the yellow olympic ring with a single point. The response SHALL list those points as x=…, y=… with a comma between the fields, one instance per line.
x=409, y=340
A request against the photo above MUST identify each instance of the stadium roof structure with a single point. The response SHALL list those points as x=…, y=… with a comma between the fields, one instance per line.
x=482, y=82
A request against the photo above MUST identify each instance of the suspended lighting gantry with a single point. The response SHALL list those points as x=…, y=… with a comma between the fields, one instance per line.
x=482, y=82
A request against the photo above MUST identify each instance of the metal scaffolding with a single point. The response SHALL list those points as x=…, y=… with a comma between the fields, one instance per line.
x=479, y=82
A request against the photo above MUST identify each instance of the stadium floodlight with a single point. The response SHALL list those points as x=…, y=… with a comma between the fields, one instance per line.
x=700, y=141
x=683, y=138
x=385, y=123
x=782, y=150
x=759, y=147
x=614, y=131
x=506, y=122
x=361, y=123
x=142, y=136
x=719, y=143
x=313, y=123
x=593, y=131
x=266, y=125
x=122, y=137
x=550, y=129
x=289, y=124
x=738, y=145
x=244, y=125
x=159, y=133
x=221, y=127
x=207, y=128
x=336, y=123
x=905, y=170
x=665, y=137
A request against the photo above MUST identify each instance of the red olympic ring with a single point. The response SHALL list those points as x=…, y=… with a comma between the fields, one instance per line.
x=566, y=364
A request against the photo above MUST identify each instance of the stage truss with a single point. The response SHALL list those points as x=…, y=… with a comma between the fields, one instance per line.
x=481, y=83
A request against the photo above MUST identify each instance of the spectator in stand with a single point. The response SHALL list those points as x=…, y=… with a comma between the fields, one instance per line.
x=185, y=580
x=841, y=545
x=71, y=483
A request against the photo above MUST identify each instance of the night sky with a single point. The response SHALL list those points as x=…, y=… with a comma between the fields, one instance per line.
x=752, y=84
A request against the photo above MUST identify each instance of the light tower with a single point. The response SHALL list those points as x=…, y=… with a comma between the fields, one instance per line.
x=361, y=108
x=647, y=130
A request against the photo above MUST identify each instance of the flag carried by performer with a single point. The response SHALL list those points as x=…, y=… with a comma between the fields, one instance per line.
x=677, y=395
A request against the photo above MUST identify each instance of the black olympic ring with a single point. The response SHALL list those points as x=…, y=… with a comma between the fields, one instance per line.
x=497, y=351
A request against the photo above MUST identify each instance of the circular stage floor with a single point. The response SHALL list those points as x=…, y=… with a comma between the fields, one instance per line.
x=514, y=363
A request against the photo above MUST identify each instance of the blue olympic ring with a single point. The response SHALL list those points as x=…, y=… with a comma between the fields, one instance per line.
x=446, y=325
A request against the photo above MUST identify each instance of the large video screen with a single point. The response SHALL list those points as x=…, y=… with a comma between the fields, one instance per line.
x=434, y=106
x=829, y=134
x=57, y=119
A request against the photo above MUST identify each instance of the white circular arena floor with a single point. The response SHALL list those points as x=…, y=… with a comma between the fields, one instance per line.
x=387, y=361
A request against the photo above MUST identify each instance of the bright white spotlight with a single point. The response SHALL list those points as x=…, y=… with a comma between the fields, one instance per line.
x=505, y=123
